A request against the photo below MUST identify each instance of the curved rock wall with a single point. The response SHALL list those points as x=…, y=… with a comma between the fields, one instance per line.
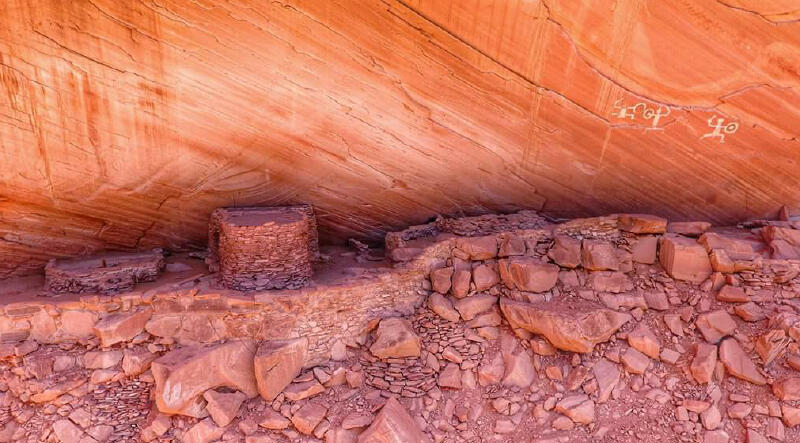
x=124, y=124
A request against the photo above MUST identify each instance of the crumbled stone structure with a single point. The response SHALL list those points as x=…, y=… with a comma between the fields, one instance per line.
x=104, y=274
x=263, y=248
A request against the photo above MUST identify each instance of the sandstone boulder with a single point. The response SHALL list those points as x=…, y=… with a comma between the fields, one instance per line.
x=599, y=255
x=644, y=249
x=303, y=390
x=271, y=419
x=635, y=362
x=137, y=361
x=645, y=341
x=117, y=328
x=485, y=276
x=442, y=306
x=737, y=363
x=720, y=262
x=223, y=406
x=791, y=415
x=787, y=388
x=784, y=241
x=510, y=244
x=704, y=362
x=732, y=294
x=470, y=307
x=642, y=223
x=578, y=407
x=519, y=370
x=689, y=229
x=277, y=363
x=735, y=248
x=478, y=248
x=491, y=371
x=771, y=345
x=610, y=281
x=450, y=377
x=395, y=339
x=308, y=417
x=566, y=251
x=684, y=259
x=715, y=325
x=461, y=281
x=205, y=431
x=67, y=432
x=183, y=375
x=528, y=274
x=607, y=375
x=159, y=426
x=750, y=312
x=101, y=359
x=567, y=329
x=442, y=279
x=393, y=425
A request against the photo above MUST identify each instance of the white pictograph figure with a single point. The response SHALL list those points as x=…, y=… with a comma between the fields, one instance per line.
x=631, y=112
x=628, y=112
x=655, y=115
x=720, y=128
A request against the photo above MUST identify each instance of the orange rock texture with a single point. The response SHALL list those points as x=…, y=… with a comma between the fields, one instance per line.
x=124, y=124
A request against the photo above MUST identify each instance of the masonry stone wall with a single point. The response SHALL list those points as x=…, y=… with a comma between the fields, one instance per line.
x=263, y=248
x=107, y=274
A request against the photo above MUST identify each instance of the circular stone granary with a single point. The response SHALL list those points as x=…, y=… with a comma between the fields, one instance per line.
x=263, y=248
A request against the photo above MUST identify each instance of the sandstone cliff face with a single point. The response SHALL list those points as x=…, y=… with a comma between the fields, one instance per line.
x=124, y=124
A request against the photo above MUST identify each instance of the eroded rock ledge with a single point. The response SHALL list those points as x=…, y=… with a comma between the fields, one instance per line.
x=494, y=328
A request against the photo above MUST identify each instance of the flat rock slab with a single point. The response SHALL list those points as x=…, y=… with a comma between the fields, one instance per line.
x=737, y=363
x=184, y=375
x=567, y=329
x=120, y=327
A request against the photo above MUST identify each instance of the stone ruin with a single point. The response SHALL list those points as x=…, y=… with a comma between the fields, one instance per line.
x=105, y=274
x=263, y=248
x=488, y=329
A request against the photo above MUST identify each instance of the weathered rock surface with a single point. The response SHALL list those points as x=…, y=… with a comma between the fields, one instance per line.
x=393, y=425
x=787, y=388
x=395, y=339
x=528, y=274
x=566, y=251
x=223, y=407
x=570, y=330
x=117, y=328
x=704, y=362
x=737, y=363
x=642, y=223
x=277, y=363
x=684, y=259
x=715, y=325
